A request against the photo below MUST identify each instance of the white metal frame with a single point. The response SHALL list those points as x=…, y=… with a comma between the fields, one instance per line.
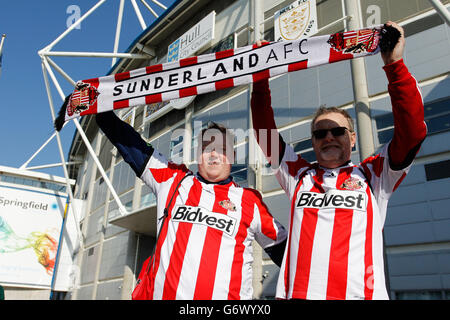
x=47, y=63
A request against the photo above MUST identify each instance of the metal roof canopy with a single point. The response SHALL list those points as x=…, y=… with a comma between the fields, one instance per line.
x=141, y=221
x=40, y=176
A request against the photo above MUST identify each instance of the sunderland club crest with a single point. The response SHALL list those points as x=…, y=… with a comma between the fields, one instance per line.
x=352, y=184
x=227, y=205
x=84, y=96
x=359, y=41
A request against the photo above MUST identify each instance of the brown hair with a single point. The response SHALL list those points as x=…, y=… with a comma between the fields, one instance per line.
x=326, y=110
x=227, y=133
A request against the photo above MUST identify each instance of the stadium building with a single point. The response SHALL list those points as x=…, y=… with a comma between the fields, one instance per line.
x=417, y=229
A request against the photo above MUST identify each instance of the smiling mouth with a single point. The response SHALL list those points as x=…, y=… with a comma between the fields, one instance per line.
x=213, y=161
x=329, y=147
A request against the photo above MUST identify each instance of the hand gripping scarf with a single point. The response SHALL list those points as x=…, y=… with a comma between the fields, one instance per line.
x=220, y=70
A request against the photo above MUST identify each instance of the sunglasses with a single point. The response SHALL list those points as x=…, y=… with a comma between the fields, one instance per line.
x=336, y=132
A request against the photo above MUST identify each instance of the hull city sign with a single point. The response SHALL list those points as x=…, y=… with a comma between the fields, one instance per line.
x=193, y=40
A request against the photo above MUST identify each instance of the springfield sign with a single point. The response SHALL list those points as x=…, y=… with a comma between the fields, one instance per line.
x=297, y=20
x=30, y=227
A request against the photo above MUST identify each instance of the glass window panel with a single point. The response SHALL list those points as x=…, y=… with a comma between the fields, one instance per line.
x=385, y=121
x=309, y=156
x=239, y=173
x=385, y=136
x=419, y=295
x=437, y=170
x=447, y=294
x=302, y=145
x=437, y=107
x=439, y=124
x=437, y=118
x=327, y=12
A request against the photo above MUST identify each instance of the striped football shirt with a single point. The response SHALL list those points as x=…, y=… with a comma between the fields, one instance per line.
x=335, y=244
x=204, y=249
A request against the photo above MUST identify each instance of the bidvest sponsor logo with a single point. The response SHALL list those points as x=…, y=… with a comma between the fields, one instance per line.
x=333, y=199
x=198, y=215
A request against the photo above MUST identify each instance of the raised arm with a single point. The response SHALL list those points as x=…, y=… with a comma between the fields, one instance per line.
x=134, y=150
x=407, y=107
x=266, y=132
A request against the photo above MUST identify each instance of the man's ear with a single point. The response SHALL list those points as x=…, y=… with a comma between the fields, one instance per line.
x=353, y=138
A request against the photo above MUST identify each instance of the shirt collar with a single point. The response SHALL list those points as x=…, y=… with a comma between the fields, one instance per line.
x=223, y=182
x=346, y=164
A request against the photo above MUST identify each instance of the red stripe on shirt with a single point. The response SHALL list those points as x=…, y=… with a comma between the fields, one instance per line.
x=399, y=181
x=163, y=231
x=267, y=224
x=340, y=243
x=288, y=253
x=173, y=271
x=210, y=255
x=306, y=241
x=368, y=256
x=164, y=174
x=247, y=206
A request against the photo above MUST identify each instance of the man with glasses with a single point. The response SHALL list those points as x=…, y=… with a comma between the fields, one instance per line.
x=204, y=243
x=338, y=209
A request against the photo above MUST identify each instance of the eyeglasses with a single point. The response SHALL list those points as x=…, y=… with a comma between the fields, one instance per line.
x=336, y=132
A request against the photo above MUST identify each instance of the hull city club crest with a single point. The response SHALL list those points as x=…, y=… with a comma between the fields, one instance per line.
x=83, y=97
x=355, y=41
x=227, y=205
x=296, y=21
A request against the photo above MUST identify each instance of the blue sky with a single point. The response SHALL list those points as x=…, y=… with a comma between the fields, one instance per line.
x=25, y=121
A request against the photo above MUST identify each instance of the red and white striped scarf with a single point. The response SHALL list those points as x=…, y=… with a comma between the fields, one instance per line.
x=215, y=71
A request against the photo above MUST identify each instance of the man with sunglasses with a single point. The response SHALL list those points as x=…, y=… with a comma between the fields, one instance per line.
x=204, y=247
x=338, y=209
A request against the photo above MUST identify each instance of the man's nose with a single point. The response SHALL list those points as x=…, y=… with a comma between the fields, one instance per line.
x=214, y=153
x=329, y=136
